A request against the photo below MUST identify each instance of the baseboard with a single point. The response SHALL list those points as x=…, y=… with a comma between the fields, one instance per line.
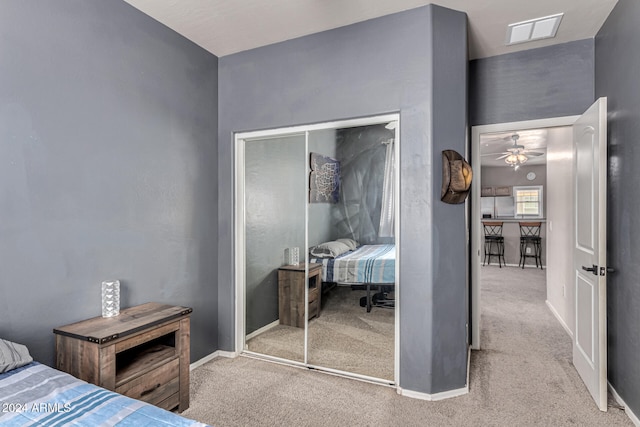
x=263, y=329
x=468, y=366
x=516, y=265
x=443, y=394
x=436, y=396
x=210, y=357
x=559, y=318
x=634, y=419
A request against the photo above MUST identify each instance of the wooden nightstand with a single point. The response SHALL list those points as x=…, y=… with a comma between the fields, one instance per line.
x=142, y=353
x=291, y=303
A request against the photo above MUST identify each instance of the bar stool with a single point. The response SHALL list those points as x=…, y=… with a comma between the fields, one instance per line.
x=493, y=242
x=530, y=239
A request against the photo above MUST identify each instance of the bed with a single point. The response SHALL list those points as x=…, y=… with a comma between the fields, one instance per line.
x=368, y=265
x=38, y=395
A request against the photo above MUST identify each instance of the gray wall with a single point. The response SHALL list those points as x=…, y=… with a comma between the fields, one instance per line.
x=450, y=295
x=551, y=81
x=412, y=62
x=498, y=176
x=617, y=62
x=108, y=128
x=275, y=203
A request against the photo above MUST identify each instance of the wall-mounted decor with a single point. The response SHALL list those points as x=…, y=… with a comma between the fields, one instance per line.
x=456, y=178
x=324, y=179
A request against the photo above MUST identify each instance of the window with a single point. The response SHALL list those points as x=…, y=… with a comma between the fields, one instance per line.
x=528, y=201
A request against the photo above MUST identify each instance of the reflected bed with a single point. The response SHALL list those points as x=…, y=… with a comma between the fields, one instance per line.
x=367, y=265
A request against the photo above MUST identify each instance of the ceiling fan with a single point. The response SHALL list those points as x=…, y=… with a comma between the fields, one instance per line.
x=516, y=154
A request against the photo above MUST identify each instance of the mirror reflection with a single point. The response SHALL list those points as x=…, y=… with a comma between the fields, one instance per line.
x=353, y=241
x=333, y=190
x=275, y=205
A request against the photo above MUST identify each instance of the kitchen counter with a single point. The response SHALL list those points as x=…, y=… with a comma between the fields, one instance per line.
x=511, y=219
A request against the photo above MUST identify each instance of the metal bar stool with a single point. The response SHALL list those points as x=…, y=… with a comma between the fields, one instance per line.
x=493, y=242
x=530, y=240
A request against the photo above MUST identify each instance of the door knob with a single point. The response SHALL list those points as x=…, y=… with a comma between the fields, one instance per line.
x=593, y=269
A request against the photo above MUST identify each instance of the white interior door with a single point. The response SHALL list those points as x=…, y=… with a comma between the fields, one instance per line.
x=589, y=254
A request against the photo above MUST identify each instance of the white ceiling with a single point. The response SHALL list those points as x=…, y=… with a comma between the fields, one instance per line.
x=494, y=145
x=224, y=27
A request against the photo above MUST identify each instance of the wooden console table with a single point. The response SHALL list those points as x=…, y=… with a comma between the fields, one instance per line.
x=142, y=353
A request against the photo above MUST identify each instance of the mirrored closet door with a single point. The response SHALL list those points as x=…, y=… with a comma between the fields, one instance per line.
x=315, y=213
x=274, y=221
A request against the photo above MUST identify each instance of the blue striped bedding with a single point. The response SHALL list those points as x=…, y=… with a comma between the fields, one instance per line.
x=366, y=264
x=37, y=395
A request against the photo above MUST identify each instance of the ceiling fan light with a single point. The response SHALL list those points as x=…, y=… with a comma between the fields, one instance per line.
x=515, y=159
x=511, y=159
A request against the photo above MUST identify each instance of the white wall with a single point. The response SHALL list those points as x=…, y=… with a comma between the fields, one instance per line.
x=559, y=195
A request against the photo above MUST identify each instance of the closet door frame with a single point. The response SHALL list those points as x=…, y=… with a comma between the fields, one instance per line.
x=239, y=145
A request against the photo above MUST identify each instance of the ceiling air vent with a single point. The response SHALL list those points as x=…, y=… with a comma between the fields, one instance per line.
x=533, y=29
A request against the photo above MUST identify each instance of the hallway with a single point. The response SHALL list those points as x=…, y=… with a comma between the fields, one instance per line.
x=524, y=373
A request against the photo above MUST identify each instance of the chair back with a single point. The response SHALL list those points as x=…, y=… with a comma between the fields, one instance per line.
x=530, y=229
x=492, y=229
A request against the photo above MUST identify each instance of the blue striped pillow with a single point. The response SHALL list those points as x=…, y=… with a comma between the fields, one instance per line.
x=13, y=355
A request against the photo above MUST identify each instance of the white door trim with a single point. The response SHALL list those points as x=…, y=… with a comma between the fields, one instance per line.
x=476, y=238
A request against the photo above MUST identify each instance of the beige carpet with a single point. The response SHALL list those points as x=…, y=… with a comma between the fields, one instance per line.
x=522, y=377
x=344, y=337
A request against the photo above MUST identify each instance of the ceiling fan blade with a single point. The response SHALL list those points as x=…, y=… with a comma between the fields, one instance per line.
x=533, y=153
x=494, y=154
x=503, y=156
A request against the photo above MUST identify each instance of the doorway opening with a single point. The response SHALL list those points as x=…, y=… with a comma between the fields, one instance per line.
x=578, y=299
x=556, y=212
